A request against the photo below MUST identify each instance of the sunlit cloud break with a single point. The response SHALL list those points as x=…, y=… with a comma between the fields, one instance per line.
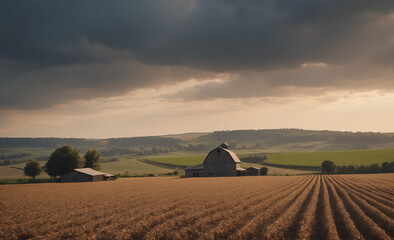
x=145, y=67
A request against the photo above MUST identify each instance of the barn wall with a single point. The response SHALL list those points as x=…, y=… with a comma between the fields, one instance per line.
x=67, y=177
x=219, y=163
x=253, y=172
x=98, y=178
x=194, y=173
x=80, y=177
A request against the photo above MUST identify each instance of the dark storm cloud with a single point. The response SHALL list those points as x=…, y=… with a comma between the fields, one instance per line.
x=51, y=51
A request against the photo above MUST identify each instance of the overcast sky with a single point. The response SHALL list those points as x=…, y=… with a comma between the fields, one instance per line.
x=133, y=68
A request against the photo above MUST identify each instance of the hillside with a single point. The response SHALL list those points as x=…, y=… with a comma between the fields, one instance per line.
x=283, y=146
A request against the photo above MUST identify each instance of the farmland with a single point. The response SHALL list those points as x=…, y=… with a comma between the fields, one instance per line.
x=288, y=207
x=350, y=157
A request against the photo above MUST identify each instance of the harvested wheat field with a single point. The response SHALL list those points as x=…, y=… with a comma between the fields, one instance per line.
x=264, y=207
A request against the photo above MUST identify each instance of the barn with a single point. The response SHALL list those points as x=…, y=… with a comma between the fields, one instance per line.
x=219, y=162
x=253, y=171
x=85, y=175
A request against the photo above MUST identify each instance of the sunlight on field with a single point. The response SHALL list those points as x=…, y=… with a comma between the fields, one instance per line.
x=264, y=207
x=353, y=157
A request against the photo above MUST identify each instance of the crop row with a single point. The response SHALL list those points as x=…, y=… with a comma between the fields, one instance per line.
x=292, y=207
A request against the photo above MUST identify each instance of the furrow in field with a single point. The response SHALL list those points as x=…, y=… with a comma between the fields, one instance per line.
x=366, y=185
x=288, y=222
x=213, y=223
x=354, y=186
x=111, y=213
x=324, y=227
x=302, y=227
x=364, y=224
x=385, y=181
x=102, y=224
x=196, y=217
x=344, y=224
x=386, y=210
x=144, y=225
x=370, y=211
x=254, y=226
x=140, y=220
x=193, y=214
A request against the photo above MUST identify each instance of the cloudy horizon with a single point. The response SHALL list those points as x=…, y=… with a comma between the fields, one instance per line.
x=101, y=69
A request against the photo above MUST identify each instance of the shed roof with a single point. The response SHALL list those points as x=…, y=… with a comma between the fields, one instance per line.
x=196, y=167
x=90, y=172
x=233, y=155
x=253, y=168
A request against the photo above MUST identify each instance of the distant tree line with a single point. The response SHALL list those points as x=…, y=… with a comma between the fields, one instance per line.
x=18, y=155
x=17, y=161
x=117, y=151
x=330, y=167
x=46, y=142
x=254, y=159
x=11, y=162
x=385, y=167
x=107, y=160
x=86, y=143
x=166, y=142
x=267, y=136
x=275, y=136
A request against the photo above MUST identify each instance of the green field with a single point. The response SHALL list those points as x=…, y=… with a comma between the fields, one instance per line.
x=168, y=163
x=133, y=167
x=180, y=161
x=351, y=157
x=191, y=160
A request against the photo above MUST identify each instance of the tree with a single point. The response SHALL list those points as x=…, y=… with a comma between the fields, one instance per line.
x=374, y=168
x=32, y=169
x=350, y=169
x=263, y=171
x=63, y=160
x=92, y=159
x=328, y=167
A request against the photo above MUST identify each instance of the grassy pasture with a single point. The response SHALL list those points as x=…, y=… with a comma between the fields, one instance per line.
x=194, y=160
x=7, y=172
x=180, y=160
x=350, y=157
x=133, y=167
x=130, y=164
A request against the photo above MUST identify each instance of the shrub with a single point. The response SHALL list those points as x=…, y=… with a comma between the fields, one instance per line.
x=263, y=171
x=374, y=168
x=328, y=167
x=350, y=169
x=385, y=166
x=361, y=169
x=391, y=167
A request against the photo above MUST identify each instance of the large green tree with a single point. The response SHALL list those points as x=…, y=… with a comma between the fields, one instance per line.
x=32, y=169
x=328, y=167
x=63, y=160
x=92, y=159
